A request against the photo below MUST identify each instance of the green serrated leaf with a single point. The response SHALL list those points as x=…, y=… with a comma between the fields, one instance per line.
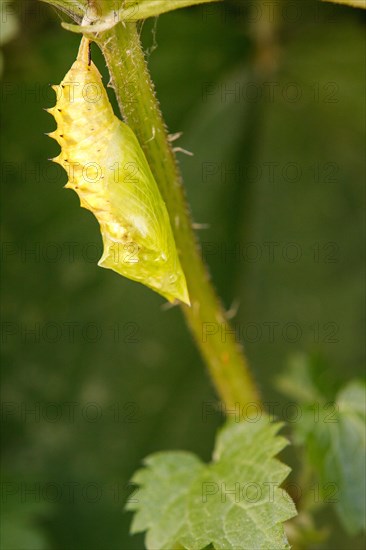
x=235, y=502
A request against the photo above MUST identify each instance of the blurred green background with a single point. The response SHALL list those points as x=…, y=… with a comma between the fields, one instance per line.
x=96, y=372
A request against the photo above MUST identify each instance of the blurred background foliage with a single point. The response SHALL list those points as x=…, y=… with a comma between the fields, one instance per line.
x=129, y=367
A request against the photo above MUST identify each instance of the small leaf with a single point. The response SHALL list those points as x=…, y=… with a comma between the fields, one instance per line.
x=352, y=399
x=75, y=9
x=299, y=380
x=334, y=435
x=133, y=10
x=234, y=502
x=153, y=8
x=353, y=3
x=9, y=25
x=337, y=449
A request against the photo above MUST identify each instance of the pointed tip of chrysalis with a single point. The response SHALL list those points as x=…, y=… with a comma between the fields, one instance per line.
x=182, y=293
x=176, y=291
x=185, y=297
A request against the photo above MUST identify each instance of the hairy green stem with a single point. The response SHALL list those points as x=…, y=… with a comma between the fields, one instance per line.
x=136, y=97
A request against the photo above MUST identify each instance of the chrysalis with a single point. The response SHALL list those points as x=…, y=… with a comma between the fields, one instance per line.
x=109, y=171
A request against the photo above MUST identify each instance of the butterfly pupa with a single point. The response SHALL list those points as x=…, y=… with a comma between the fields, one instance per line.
x=108, y=169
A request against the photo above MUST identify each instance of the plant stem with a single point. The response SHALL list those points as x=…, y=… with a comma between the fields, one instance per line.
x=136, y=97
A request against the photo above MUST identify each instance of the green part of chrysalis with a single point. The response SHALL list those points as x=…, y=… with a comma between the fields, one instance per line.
x=108, y=170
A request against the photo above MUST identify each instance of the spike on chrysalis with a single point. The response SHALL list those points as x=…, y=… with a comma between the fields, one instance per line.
x=109, y=171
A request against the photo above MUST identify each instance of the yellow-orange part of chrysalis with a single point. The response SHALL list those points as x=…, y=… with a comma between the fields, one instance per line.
x=109, y=171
